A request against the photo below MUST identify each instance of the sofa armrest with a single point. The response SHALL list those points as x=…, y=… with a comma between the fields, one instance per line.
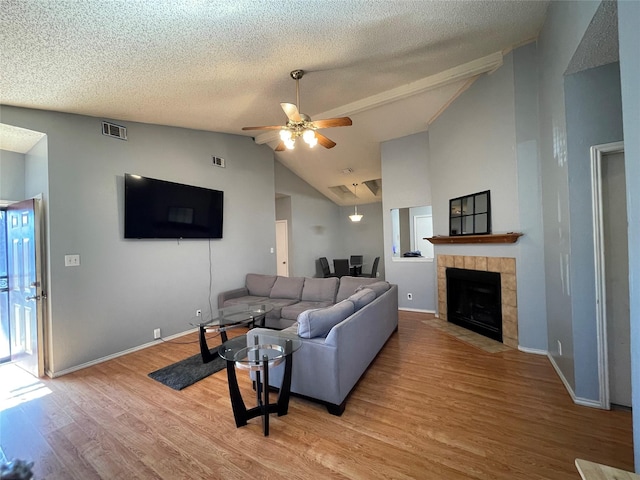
x=229, y=294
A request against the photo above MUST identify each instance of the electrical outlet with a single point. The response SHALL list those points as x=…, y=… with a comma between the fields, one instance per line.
x=156, y=333
x=409, y=296
x=72, y=260
x=559, y=348
x=198, y=313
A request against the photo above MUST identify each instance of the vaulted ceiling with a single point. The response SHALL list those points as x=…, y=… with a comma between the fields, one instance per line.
x=392, y=66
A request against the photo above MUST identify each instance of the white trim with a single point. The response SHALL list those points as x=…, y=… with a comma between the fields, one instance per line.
x=585, y=402
x=597, y=152
x=412, y=259
x=534, y=351
x=418, y=310
x=461, y=72
x=116, y=355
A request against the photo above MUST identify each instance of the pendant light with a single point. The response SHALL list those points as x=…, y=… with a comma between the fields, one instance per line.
x=355, y=217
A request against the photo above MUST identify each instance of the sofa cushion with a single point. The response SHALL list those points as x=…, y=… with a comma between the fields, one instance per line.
x=260, y=285
x=291, y=312
x=378, y=287
x=277, y=304
x=318, y=322
x=287, y=287
x=245, y=299
x=348, y=286
x=320, y=289
x=362, y=297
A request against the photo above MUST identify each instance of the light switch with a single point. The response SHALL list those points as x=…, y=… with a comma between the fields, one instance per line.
x=71, y=260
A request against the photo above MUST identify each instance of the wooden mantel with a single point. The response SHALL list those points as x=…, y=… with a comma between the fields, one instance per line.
x=510, y=237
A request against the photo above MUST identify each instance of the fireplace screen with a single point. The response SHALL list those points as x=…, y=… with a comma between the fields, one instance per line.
x=474, y=301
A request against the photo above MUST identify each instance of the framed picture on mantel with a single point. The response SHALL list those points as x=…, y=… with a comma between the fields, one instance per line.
x=470, y=215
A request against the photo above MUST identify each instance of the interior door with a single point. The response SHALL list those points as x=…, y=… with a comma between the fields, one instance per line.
x=25, y=293
x=614, y=206
x=282, y=248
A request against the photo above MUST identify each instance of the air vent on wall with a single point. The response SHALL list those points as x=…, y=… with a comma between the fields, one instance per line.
x=113, y=130
x=217, y=161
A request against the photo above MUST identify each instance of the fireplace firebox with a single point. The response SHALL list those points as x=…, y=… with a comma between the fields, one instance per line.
x=474, y=301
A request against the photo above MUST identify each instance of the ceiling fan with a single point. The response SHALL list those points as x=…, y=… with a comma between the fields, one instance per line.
x=301, y=125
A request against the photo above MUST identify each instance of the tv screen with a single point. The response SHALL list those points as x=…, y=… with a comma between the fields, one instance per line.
x=160, y=209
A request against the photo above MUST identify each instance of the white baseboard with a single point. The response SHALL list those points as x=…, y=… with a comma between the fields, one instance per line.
x=585, y=402
x=535, y=351
x=66, y=371
x=418, y=310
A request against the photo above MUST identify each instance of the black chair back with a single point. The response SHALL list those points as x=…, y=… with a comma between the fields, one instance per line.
x=374, y=270
x=341, y=267
x=356, y=259
x=324, y=264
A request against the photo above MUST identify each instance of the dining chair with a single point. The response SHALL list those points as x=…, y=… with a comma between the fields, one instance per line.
x=355, y=262
x=326, y=271
x=374, y=269
x=341, y=267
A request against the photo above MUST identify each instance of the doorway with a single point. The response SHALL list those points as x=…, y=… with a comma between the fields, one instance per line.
x=282, y=248
x=22, y=320
x=612, y=273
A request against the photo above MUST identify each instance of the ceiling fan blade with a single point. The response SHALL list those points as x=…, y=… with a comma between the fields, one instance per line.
x=269, y=127
x=280, y=147
x=291, y=111
x=333, y=122
x=324, y=141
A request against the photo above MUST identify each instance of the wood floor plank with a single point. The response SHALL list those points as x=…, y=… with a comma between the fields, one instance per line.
x=429, y=406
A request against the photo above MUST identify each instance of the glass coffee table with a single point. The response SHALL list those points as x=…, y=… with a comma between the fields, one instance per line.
x=234, y=316
x=258, y=353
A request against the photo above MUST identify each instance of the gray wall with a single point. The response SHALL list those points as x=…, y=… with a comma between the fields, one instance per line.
x=363, y=237
x=532, y=322
x=561, y=34
x=123, y=289
x=593, y=108
x=12, y=166
x=407, y=183
x=629, y=39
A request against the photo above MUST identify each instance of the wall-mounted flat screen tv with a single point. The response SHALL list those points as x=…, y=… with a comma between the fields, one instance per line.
x=160, y=209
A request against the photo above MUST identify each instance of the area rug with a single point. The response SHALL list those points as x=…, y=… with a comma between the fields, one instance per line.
x=188, y=371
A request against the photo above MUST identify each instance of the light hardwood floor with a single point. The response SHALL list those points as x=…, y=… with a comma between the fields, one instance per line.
x=430, y=407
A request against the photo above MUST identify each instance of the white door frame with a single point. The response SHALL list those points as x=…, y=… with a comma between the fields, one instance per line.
x=597, y=152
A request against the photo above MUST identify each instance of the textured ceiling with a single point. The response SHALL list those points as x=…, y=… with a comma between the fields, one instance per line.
x=222, y=65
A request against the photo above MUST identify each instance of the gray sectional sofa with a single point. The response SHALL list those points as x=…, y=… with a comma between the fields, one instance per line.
x=343, y=324
x=290, y=296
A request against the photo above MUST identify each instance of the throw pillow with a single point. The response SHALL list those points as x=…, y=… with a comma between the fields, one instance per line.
x=378, y=287
x=318, y=322
x=362, y=297
x=348, y=286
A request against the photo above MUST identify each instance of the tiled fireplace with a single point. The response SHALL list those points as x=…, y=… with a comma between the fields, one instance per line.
x=506, y=267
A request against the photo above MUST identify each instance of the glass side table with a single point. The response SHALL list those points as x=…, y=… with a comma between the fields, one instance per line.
x=230, y=317
x=258, y=353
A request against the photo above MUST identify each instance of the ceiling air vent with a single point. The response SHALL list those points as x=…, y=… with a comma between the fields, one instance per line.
x=113, y=130
x=218, y=162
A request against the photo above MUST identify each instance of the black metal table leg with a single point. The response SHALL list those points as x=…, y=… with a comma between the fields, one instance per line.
x=265, y=405
x=237, y=404
x=207, y=356
x=285, y=388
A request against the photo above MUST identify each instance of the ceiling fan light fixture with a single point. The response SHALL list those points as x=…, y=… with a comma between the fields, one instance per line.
x=289, y=143
x=285, y=134
x=309, y=136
